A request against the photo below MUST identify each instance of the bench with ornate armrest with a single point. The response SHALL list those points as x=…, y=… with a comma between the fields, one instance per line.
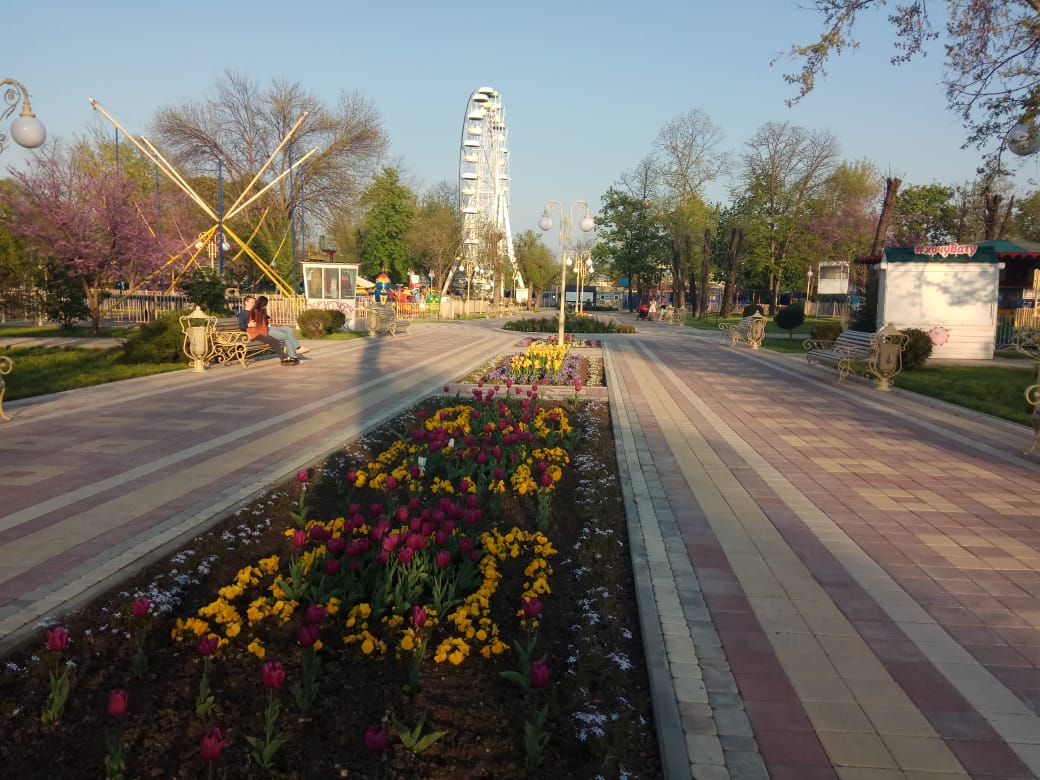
x=880, y=354
x=381, y=319
x=230, y=343
x=6, y=365
x=750, y=330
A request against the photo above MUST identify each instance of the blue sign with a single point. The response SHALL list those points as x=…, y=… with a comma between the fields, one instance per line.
x=624, y=281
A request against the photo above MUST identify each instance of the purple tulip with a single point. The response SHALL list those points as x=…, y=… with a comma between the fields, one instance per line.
x=532, y=608
x=273, y=675
x=141, y=606
x=316, y=613
x=539, y=674
x=377, y=738
x=212, y=744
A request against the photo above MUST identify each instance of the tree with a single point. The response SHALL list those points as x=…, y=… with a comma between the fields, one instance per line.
x=992, y=68
x=535, y=261
x=632, y=240
x=242, y=125
x=784, y=168
x=925, y=214
x=789, y=318
x=390, y=208
x=1027, y=218
x=83, y=214
x=435, y=235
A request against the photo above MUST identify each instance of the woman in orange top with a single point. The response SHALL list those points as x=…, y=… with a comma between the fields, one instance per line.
x=257, y=330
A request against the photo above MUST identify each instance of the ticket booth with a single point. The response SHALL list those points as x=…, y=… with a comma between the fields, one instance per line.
x=333, y=286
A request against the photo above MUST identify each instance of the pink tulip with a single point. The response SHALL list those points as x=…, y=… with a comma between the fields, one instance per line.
x=273, y=674
x=208, y=644
x=532, y=608
x=539, y=674
x=116, y=701
x=141, y=606
x=377, y=738
x=212, y=744
x=418, y=616
x=443, y=559
x=351, y=476
x=57, y=639
x=405, y=555
x=302, y=475
x=391, y=482
x=299, y=538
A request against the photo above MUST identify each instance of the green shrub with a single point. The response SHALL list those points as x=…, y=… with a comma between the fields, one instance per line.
x=826, y=331
x=790, y=317
x=917, y=350
x=159, y=341
x=751, y=310
x=205, y=287
x=314, y=323
x=337, y=320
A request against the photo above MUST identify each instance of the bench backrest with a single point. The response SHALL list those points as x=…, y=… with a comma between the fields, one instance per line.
x=855, y=340
x=227, y=323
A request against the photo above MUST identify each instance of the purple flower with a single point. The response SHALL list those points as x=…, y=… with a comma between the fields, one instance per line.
x=57, y=639
x=539, y=674
x=273, y=675
x=141, y=606
x=377, y=738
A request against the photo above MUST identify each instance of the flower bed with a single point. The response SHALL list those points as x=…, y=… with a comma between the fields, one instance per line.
x=408, y=610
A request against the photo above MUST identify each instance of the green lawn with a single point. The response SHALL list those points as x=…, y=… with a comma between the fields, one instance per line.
x=43, y=370
x=713, y=321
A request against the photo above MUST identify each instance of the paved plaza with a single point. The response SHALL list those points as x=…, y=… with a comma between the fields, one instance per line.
x=834, y=582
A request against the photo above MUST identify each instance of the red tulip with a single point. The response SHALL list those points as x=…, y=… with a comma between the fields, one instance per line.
x=391, y=482
x=351, y=476
x=116, y=701
x=532, y=608
x=443, y=559
x=212, y=744
x=141, y=606
x=273, y=674
x=302, y=475
x=299, y=537
x=377, y=738
x=57, y=639
x=539, y=674
x=208, y=644
x=316, y=613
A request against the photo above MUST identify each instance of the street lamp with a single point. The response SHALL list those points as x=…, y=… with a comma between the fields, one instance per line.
x=26, y=130
x=213, y=247
x=808, y=285
x=566, y=223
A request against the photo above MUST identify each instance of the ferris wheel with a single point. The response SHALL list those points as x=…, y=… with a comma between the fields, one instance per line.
x=484, y=187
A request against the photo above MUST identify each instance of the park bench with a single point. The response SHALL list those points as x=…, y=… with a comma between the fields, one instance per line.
x=880, y=354
x=6, y=365
x=382, y=319
x=230, y=343
x=750, y=330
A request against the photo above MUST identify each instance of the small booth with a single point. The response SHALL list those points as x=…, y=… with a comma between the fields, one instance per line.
x=948, y=291
x=333, y=286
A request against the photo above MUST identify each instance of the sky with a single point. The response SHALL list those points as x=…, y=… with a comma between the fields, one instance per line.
x=586, y=86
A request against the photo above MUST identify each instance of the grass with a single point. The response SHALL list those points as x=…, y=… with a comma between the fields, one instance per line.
x=713, y=322
x=995, y=390
x=56, y=331
x=43, y=370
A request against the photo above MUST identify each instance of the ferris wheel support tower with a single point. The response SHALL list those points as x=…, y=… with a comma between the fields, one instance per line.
x=484, y=188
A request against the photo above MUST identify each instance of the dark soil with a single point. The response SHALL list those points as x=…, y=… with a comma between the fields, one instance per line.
x=598, y=706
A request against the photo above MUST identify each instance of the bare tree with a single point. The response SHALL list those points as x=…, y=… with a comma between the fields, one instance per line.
x=435, y=234
x=783, y=168
x=241, y=127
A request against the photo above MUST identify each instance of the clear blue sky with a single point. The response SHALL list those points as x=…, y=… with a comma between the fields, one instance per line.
x=586, y=86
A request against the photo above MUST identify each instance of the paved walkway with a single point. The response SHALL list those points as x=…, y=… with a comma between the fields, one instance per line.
x=833, y=581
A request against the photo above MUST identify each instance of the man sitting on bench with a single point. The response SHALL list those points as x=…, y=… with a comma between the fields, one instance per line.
x=281, y=332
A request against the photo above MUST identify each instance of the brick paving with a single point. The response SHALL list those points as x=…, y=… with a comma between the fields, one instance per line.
x=834, y=582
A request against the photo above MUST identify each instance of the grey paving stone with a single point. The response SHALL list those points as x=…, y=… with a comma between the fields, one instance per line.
x=746, y=765
x=733, y=721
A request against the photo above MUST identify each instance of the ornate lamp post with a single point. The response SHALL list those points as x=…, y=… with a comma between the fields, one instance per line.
x=213, y=248
x=584, y=270
x=566, y=223
x=26, y=130
x=808, y=285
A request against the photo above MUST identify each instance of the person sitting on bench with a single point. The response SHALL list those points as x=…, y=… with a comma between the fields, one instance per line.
x=257, y=325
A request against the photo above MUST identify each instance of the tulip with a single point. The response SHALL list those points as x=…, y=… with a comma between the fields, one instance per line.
x=212, y=744
x=377, y=738
x=299, y=538
x=391, y=482
x=302, y=475
x=351, y=476
x=532, y=608
x=539, y=674
x=308, y=635
x=418, y=616
x=336, y=544
x=331, y=567
x=208, y=644
x=57, y=639
x=405, y=555
x=443, y=559
x=116, y=701
x=316, y=613
x=141, y=606
x=273, y=674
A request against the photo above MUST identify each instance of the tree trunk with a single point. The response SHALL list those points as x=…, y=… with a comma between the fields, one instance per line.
x=885, y=218
x=1002, y=232
x=705, y=274
x=736, y=258
x=992, y=203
